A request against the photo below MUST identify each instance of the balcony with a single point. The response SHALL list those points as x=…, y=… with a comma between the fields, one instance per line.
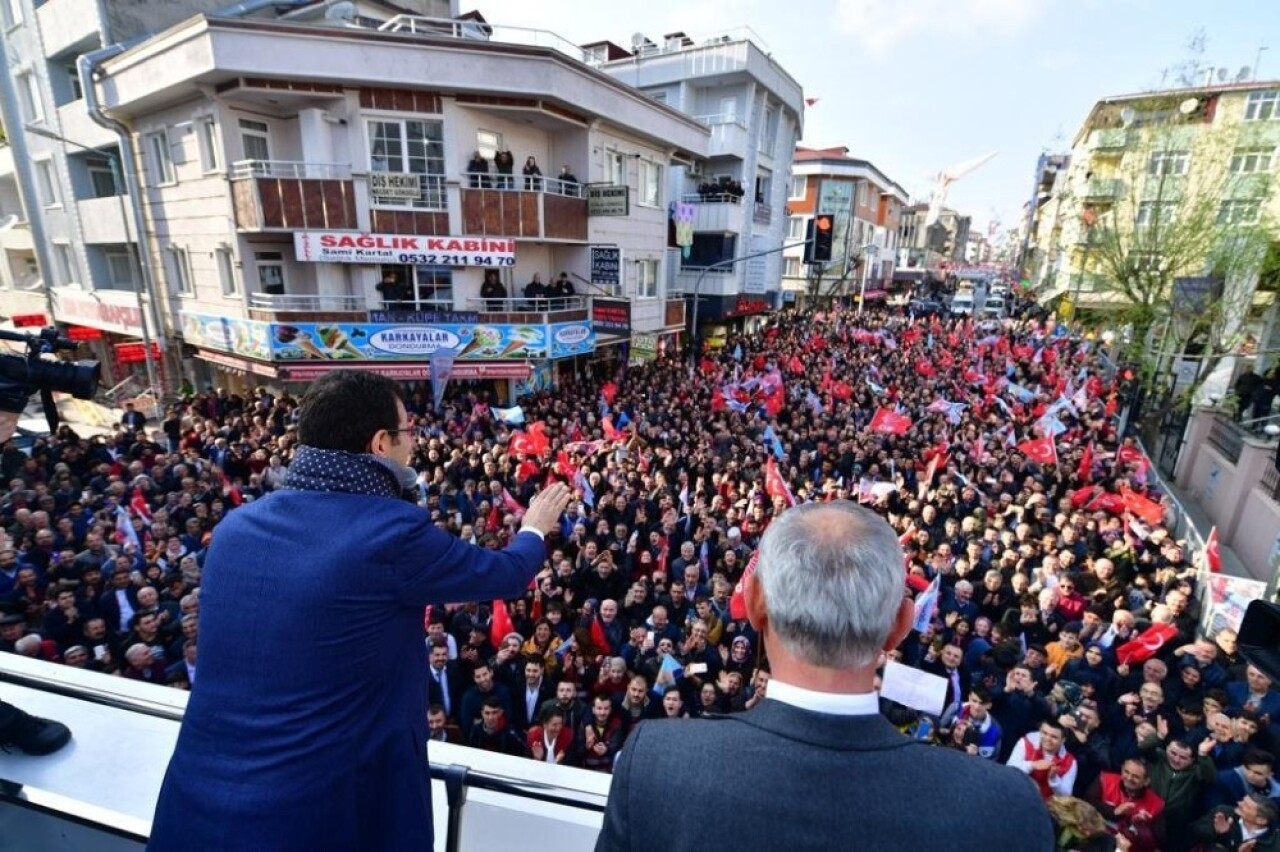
x=729, y=137
x=549, y=209
x=1103, y=189
x=1109, y=139
x=105, y=220
x=281, y=307
x=65, y=24
x=531, y=311
x=17, y=238
x=716, y=212
x=77, y=126
x=287, y=195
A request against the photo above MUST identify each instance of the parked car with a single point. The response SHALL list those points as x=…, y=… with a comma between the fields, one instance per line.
x=926, y=307
x=994, y=307
x=962, y=304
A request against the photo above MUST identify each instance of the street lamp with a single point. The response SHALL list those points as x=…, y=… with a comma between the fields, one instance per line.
x=135, y=269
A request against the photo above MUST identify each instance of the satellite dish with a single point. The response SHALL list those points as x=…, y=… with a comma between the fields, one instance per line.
x=1127, y=115
x=638, y=40
x=1243, y=75
x=8, y=222
x=1188, y=106
x=1222, y=74
x=342, y=11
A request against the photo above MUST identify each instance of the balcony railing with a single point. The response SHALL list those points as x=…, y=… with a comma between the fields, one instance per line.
x=525, y=306
x=289, y=302
x=520, y=183
x=242, y=169
x=1109, y=139
x=717, y=197
x=712, y=119
x=1104, y=188
x=452, y=28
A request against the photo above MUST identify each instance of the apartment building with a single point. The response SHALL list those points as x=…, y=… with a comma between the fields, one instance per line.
x=867, y=207
x=932, y=248
x=1040, y=223
x=1164, y=180
x=309, y=206
x=65, y=219
x=733, y=203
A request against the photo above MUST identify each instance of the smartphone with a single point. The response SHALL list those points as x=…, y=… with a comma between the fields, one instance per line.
x=696, y=668
x=99, y=652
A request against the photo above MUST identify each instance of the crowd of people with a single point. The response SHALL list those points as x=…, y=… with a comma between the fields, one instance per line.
x=1051, y=597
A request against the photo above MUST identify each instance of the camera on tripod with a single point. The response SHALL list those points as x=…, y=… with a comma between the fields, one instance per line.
x=21, y=377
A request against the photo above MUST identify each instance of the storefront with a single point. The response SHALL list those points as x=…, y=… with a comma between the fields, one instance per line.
x=110, y=325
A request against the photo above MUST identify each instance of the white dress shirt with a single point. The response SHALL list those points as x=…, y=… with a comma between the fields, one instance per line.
x=834, y=703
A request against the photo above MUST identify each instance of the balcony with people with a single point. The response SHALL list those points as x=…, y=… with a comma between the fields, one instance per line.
x=500, y=199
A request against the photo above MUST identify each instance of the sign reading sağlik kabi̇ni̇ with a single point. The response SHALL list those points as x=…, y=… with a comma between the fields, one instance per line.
x=355, y=247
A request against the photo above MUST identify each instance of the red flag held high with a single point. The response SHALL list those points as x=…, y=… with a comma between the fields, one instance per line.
x=500, y=625
x=738, y=602
x=1085, y=471
x=774, y=484
x=1213, y=552
x=1040, y=450
x=1148, y=510
x=888, y=422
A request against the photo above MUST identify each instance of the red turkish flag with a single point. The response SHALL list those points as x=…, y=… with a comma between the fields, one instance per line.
x=1146, y=644
x=1085, y=472
x=774, y=484
x=500, y=625
x=1213, y=552
x=1107, y=502
x=1040, y=450
x=1148, y=510
x=738, y=601
x=888, y=422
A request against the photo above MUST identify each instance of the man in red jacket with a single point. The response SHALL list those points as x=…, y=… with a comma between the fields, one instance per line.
x=551, y=740
x=1127, y=802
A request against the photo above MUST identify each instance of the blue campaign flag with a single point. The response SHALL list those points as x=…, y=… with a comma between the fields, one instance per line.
x=737, y=352
x=623, y=420
x=513, y=415
x=588, y=493
x=668, y=673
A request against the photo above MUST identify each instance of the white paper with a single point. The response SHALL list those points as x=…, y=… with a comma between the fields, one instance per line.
x=913, y=688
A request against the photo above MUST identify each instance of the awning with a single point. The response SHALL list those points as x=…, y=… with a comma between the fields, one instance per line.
x=239, y=366
x=307, y=371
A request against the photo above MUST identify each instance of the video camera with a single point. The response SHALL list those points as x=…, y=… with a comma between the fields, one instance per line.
x=21, y=377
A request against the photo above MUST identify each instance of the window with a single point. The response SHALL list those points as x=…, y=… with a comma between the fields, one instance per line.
x=1169, y=163
x=227, y=272
x=650, y=189
x=209, y=159
x=1239, y=212
x=12, y=10
x=764, y=187
x=616, y=166
x=791, y=268
x=46, y=183
x=769, y=132
x=708, y=249
x=1247, y=161
x=488, y=143
x=660, y=97
x=157, y=145
x=410, y=147
x=102, y=178
x=728, y=110
x=1262, y=106
x=647, y=279
x=798, y=186
x=270, y=271
x=73, y=82
x=179, y=271
x=795, y=228
x=1155, y=212
x=255, y=140
x=29, y=96
x=62, y=260
x=119, y=268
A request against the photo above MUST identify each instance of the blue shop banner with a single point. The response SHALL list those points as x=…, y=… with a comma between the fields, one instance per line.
x=403, y=342
x=249, y=338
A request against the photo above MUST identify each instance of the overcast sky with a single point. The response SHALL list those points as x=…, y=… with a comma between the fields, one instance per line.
x=918, y=85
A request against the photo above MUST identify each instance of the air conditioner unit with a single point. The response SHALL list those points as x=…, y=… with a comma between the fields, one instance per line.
x=695, y=169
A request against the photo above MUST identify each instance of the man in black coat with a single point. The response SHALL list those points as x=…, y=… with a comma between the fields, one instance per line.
x=822, y=768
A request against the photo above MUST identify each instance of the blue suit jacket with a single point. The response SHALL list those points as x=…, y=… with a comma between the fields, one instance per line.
x=308, y=730
x=800, y=780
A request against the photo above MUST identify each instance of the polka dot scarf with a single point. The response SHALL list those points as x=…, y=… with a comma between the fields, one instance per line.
x=313, y=469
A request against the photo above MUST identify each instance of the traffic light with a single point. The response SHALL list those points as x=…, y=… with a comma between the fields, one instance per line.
x=823, y=230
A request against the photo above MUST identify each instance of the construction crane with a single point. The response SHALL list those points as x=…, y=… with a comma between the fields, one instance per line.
x=948, y=176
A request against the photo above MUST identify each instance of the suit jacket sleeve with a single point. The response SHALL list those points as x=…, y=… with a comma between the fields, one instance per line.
x=615, y=834
x=445, y=568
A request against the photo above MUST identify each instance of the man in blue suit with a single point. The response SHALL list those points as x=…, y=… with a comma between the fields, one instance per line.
x=814, y=766
x=309, y=727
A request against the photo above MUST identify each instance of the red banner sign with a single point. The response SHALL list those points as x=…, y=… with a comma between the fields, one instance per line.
x=82, y=333
x=135, y=353
x=29, y=320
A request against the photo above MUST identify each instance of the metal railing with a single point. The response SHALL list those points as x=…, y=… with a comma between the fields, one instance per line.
x=715, y=118
x=711, y=198
x=523, y=305
x=295, y=169
x=478, y=31
x=291, y=302
x=521, y=183
x=1226, y=437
